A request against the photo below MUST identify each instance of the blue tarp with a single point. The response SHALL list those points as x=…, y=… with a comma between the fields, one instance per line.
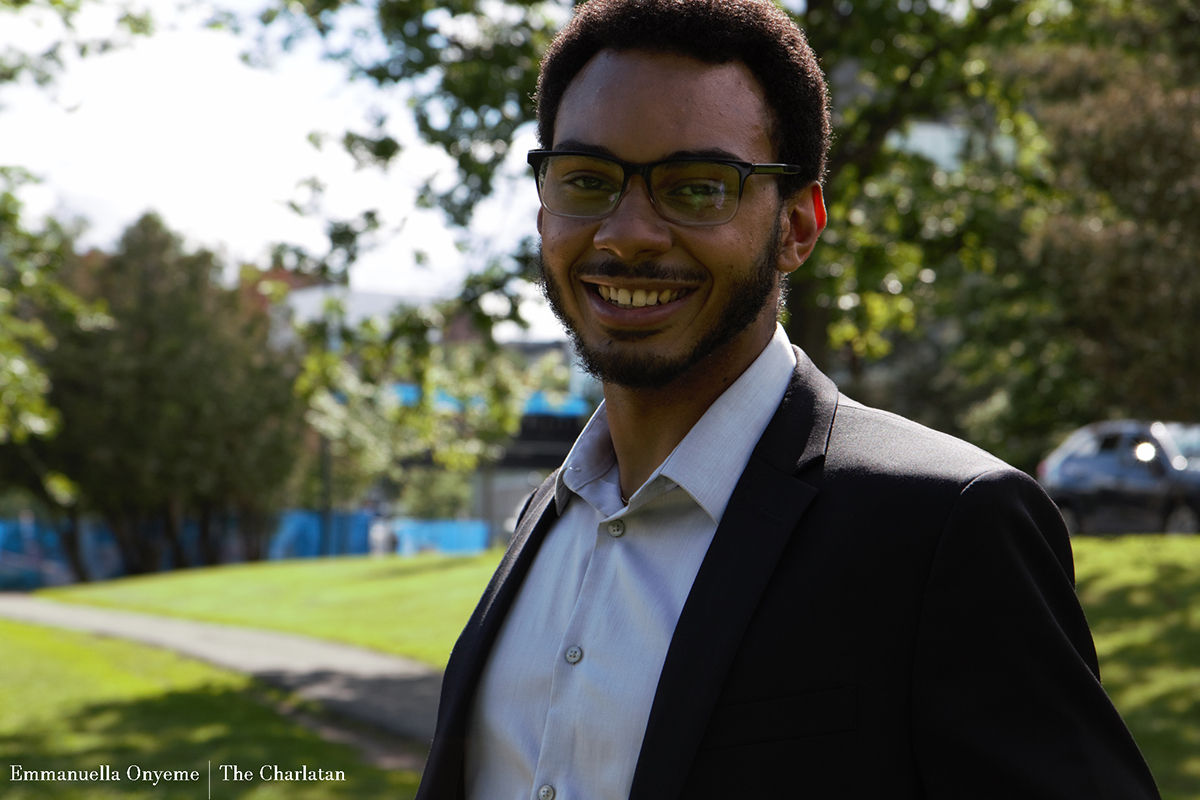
x=31, y=555
x=457, y=536
x=567, y=406
x=539, y=403
x=299, y=534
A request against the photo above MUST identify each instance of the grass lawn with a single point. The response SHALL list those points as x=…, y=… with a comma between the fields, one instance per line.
x=1142, y=598
x=71, y=701
x=1141, y=595
x=408, y=606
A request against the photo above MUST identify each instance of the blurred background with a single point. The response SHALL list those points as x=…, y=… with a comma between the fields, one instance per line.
x=267, y=293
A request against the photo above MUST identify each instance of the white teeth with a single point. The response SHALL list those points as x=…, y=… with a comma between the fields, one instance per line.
x=638, y=298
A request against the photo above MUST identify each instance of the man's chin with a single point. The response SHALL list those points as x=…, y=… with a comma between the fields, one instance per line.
x=629, y=336
x=633, y=369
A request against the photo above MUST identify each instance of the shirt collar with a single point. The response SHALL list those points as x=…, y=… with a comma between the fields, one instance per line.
x=709, y=461
x=711, y=458
x=591, y=458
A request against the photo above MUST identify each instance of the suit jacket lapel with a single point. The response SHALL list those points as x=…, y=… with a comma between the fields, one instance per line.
x=758, y=522
x=444, y=769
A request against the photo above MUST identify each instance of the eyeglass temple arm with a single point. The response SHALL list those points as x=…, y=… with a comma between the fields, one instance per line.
x=776, y=169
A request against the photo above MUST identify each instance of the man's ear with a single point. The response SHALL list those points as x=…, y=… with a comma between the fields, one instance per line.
x=802, y=225
x=539, y=220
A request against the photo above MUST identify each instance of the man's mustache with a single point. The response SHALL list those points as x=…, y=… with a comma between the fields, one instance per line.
x=646, y=270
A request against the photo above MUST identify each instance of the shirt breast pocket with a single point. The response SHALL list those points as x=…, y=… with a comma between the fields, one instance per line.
x=781, y=718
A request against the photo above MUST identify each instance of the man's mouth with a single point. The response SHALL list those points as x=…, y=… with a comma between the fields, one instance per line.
x=639, y=298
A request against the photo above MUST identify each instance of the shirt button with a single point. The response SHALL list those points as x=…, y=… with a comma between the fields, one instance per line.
x=574, y=655
x=546, y=792
x=616, y=528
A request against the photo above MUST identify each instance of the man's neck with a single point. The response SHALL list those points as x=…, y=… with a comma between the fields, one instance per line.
x=647, y=424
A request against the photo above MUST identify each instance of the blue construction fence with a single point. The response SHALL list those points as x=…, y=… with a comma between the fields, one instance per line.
x=357, y=532
x=32, y=553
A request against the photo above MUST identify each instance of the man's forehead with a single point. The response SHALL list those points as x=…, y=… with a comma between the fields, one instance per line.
x=664, y=96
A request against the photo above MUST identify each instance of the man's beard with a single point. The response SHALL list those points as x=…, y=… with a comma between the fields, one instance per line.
x=640, y=370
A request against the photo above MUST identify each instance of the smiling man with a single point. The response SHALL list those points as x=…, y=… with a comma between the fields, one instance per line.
x=742, y=583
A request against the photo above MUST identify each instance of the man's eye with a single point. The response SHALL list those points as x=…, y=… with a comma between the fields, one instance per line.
x=588, y=183
x=699, y=189
x=698, y=194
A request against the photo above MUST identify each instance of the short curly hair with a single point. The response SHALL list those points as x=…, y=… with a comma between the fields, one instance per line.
x=754, y=32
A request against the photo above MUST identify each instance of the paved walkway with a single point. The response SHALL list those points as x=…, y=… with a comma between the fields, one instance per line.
x=395, y=694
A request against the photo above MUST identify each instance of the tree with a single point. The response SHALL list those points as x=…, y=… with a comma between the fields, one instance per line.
x=1122, y=252
x=1070, y=292
x=181, y=409
x=31, y=257
x=420, y=389
x=64, y=41
x=25, y=260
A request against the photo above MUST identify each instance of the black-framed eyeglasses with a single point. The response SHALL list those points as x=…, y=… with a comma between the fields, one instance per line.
x=688, y=190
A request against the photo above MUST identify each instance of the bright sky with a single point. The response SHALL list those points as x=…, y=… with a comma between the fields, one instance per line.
x=178, y=123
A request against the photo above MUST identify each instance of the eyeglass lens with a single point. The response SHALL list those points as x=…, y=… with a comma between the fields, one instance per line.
x=690, y=192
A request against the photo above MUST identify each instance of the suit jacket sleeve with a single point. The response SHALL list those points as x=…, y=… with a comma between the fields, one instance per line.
x=1007, y=700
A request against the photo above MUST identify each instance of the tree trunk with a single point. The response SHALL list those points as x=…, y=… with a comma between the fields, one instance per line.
x=173, y=528
x=133, y=556
x=808, y=323
x=209, y=550
x=254, y=529
x=73, y=545
x=148, y=544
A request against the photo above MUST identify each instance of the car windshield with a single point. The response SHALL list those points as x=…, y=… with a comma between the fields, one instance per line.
x=1187, y=438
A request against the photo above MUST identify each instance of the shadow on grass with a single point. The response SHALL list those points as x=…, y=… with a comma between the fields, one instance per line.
x=404, y=569
x=404, y=706
x=1148, y=636
x=185, y=731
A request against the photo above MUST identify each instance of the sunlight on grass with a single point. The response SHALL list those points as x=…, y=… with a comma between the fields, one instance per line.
x=1141, y=595
x=70, y=701
x=1142, y=599
x=407, y=606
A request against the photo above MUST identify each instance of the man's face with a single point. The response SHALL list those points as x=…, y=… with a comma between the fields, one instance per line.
x=721, y=281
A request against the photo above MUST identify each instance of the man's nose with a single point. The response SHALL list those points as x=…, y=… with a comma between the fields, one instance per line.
x=634, y=229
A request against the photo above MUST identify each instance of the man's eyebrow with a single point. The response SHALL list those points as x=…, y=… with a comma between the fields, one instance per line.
x=584, y=147
x=710, y=152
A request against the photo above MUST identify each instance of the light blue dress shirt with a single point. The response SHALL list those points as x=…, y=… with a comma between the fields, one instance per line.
x=563, y=701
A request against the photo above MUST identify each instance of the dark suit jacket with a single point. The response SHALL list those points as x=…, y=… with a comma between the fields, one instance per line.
x=885, y=612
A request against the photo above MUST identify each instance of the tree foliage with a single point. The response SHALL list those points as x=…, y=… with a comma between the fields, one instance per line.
x=1122, y=250
x=470, y=66
x=181, y=410
x=42, y=65
x=891, y=64
x=30, y=262
x=1073, y=295
x=420, y=388
x=32, y=254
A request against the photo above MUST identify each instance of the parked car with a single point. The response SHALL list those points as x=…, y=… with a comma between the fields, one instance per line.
x=1127, y=476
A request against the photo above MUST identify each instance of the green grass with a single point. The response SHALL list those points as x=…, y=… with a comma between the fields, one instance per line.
x=413, y=607
x=1141, y=595
x=1142, y=599
x=71, y=701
